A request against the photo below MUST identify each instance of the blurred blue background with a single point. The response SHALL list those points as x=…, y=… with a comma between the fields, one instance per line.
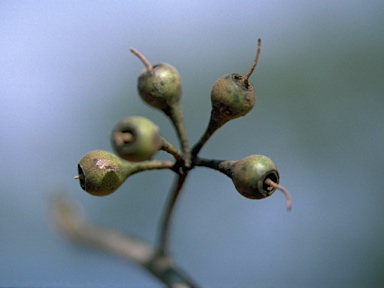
x=67, y=77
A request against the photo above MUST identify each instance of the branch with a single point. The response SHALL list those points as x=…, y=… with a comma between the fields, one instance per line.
x=76, y=228
x=166, y=221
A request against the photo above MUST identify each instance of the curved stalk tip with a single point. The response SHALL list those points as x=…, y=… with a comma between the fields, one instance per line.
x=146, y=63
x=282, y=189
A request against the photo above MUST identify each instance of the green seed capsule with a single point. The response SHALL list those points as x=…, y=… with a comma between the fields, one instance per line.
x=249, y=176
x=231, y=98
x=255, y=176
x=160, y=87
x=101, y=172
x=136, y=139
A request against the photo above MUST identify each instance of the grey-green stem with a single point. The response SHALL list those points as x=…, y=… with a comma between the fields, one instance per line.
x=223, y=166
x=175, y=113
x=212, y=127
x=166, y=220
x=171, y=149
x=153, y=165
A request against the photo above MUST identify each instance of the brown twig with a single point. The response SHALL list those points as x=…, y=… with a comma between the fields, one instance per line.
x=73, y=225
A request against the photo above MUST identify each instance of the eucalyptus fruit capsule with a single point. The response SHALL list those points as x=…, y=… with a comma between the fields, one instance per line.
x=136, y=139
x=254, y=177
x=249, y=175
x=232, y=96
x=101, y=173
x=160, y=87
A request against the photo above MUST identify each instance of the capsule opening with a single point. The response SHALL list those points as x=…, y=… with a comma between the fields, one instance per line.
x=81, y=176
x=127, y=136
x=275, y=178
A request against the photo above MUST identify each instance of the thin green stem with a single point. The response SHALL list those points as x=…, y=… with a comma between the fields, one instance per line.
x=152, y=165
x=169, y=148
x=223, y=166
x=175, y=113
x=212, y=127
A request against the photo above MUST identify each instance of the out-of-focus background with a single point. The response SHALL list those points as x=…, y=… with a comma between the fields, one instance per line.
x=67, y=77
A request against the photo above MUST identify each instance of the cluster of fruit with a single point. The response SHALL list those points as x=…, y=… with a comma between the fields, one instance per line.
x=136, y=139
